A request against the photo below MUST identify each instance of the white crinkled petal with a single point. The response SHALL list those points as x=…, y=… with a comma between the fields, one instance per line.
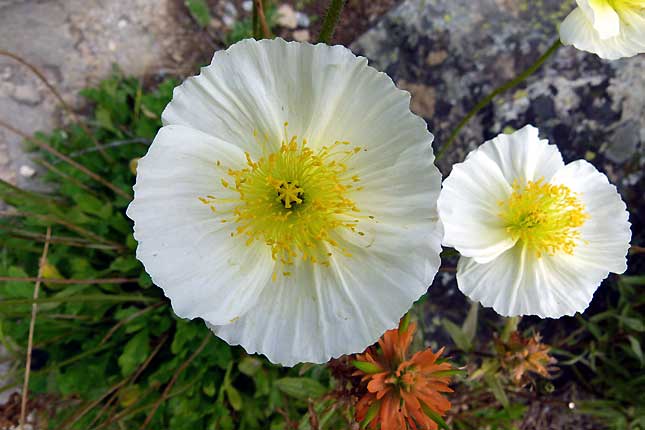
x=604, y=18
x=318, y=312
x=469, y=208
x=606, y=233
x=522, y=156
x=183, y=245
x=519, y=283
x=258, y=86
x=579, y=31
x=469, y=201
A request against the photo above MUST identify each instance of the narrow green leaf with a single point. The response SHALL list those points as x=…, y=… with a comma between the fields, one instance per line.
x=633, y=280
x=636, y=347
x=234, y=397
x=249, y=366
x=458, y=336
x=371, y=414
x=470, y=323
x=434, y=416
x=301, y=388
x=451, y=372
x=497, y=389
x=199, y=11
x=134, y=353
x=94, y=298
x=366, y=367
x=405, y=322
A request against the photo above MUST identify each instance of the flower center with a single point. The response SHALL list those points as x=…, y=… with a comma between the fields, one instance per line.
x=544, y=217
x=292, y=200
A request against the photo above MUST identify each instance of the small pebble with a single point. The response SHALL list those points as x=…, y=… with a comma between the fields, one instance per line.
x=301, y=35
x=287, y=17
x=27, y=94
x=302, y=19
x=26, y=171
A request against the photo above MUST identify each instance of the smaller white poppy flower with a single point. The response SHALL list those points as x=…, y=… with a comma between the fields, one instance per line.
x=537, y=237
x=611, y=29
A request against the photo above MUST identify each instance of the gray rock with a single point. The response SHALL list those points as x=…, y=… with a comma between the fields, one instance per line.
x=27, y=94
x=459, y=51
x=624, y=142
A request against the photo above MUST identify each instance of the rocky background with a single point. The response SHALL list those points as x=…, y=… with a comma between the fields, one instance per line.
x=450, y=54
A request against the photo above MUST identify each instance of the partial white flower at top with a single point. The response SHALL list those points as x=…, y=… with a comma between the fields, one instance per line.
x=537, y=237
x=290, y=201
x=611, y=29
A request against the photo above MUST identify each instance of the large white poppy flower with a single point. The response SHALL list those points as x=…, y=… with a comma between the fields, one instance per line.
x=290, y=201
x=537, y=237
x=611, y=29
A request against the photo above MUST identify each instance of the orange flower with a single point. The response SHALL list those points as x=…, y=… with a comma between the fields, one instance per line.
x=402, y=393
x=522, y=355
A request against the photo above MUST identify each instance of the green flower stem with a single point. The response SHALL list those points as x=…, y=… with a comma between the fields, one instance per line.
x=331, y=19
x=510, y=326
x=497, y=91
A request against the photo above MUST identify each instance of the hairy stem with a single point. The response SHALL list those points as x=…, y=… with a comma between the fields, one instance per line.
x=331, y=19
x=497, y=91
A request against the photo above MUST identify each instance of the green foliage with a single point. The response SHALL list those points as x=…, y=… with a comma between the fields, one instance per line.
x=606, y=352
x=113, y=348
x=199, y=11
x=243, y=29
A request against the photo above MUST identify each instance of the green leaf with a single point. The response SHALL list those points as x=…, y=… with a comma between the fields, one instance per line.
x=209, y=388
x=124, y=265
x=186, y=331
x=17, y=289
x=458, y=336
x=249, y=366
x=633, y=280
x=434, y=416
x=451, y=372
x=367, y=367
x=633, y=323
x=199, y=11
x=405, y=322
x=234, y=397
x=104, y=118
x=469, y=328
x=371, y=414
x=301, y=388
x=496, y=388
x=134, y=353
x=636, y=347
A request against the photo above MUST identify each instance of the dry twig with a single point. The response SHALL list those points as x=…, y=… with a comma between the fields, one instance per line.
x=32, y=325
x=45, y=146
x=179, y=371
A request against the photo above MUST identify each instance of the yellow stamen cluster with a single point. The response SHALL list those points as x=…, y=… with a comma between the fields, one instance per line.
x=543, y=216
x=292, y=199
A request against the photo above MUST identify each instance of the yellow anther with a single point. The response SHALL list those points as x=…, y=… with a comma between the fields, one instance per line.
x=291, y=199
x=545, y=217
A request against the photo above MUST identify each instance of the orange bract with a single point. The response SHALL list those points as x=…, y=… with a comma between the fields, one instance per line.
x=402, y=392
x=521, y=355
